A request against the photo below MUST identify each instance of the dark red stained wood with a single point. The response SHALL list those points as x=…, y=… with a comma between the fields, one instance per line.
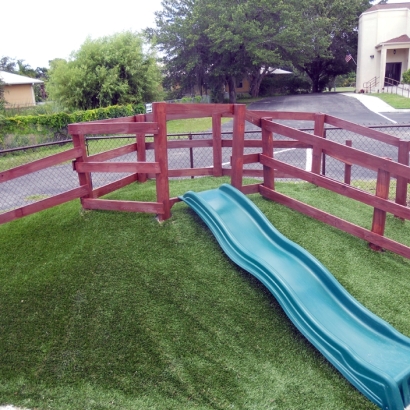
x=338, y=187
x=249, y=143
x=267, y=149
x=141, y=149
x=255, y=117
x=362, y=130
x=175, y=144
x=379, y=215
x=110, y=120
x=217, y=144
x=319, y=131
x=117, y=167
x=83, y=177
x=401, y=187
x=238, y=145
x=338, y=223
x=113, y=128
x=126, y=206
x=348, y=167
x=113, y=186
x=39, y=164
x=189, y=172
x=340, y=151
x=161, y=156
x=250, y=158
x=173, y=201
x=179, y=111
x=116, y=152
x=43, y=204
x=250, y=189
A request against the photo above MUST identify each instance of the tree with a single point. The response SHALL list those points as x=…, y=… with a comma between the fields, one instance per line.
x=7, y=64
x=208, y=43
x=2, y=100
x=318, y=34
x=205, y=40
x=107, y=71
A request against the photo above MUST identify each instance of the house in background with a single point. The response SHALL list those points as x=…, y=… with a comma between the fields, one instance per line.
x=383, y=48
x=18, y=89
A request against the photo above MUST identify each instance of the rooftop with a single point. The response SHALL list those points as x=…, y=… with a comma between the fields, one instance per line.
x=389, y=6
x=14, y=79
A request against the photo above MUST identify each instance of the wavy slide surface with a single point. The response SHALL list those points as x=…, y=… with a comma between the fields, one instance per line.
x=369, y=352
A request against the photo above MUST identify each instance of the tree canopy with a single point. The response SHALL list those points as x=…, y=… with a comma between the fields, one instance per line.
x=106, y=71
x=209, y=42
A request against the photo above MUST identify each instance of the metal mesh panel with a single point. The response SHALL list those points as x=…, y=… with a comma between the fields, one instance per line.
x=54, y=180
x=39, y=185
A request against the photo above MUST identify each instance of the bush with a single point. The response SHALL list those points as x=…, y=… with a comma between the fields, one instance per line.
x=406, y=77
x=56, y=124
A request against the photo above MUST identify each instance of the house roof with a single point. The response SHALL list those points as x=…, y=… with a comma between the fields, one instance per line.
x=14, y=79
x=401, y=39
x=404, y=38
x=389, y=6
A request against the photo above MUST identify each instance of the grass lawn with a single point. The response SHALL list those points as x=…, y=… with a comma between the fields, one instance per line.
x=104, y=310
x=396, y=101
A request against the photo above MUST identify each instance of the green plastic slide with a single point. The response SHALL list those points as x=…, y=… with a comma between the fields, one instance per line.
x=370, y=353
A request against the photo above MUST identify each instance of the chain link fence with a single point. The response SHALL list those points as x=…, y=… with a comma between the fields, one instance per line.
x=51, y=181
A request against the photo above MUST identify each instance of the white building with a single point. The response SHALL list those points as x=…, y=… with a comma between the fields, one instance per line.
x=384, y=44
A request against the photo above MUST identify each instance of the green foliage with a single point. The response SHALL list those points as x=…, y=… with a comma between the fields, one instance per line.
x=406, y=77
x=210, y=43
x=108, y=71
x=56, y=123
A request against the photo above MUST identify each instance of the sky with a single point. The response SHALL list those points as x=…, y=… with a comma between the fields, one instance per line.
x=37, y=32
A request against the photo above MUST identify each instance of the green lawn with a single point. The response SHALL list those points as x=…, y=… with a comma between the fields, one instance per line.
x=396, y=101
x=105, y=310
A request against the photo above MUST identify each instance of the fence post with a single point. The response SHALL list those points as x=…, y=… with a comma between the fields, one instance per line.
x=348, y=167
x=84, y=178
x=267, y=149
x=317, y=151
x=324, y=155
x=161, y=156
x=401, y=186
x=191, y=155
x=217, y=144
x=379, y=216
x=141, y=152
x=238, y=143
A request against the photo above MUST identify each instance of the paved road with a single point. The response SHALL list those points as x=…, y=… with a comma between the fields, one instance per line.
x=361, y=109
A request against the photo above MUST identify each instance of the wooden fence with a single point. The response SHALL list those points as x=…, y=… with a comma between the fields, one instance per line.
x=154, y=124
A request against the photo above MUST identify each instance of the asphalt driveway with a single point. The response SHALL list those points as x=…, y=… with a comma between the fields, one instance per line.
x=352, y=108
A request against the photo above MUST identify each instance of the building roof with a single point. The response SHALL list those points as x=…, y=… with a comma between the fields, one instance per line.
x=404, y=38
x=388, y=6
x=13, y=79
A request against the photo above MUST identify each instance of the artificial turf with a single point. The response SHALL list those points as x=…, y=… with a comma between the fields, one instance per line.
x=105, y=310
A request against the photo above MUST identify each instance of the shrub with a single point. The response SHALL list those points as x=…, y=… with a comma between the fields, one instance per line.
x=55, y=125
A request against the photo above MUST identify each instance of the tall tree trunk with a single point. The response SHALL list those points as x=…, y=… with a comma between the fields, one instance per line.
x=232, y=89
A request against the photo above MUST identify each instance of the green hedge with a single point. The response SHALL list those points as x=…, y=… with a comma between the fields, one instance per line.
x=54, y=126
